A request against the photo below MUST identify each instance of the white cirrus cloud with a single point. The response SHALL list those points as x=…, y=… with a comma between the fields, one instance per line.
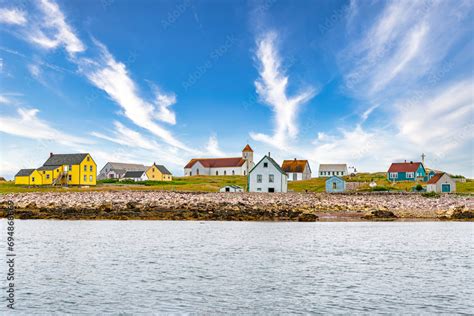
x=212, y=146
x=272, y=90
x=12, y=16
x=28, y=124
x=164, y=102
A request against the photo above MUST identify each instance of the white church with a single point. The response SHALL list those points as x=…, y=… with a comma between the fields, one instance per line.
x=232, y=166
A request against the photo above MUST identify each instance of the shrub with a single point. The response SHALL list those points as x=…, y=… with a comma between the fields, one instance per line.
x=419, y=187
x=380, y=188
x=431, y=195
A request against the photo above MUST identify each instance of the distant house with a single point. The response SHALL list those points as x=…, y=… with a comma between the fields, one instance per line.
x=328, y=170
x=335, y=185
x=221, y=166
x=116, y=170
x=267, y=176
x=441, y=183
x=135, y=176
x=231, y=188
x=296, y=169
x=158, y=173
x=61, y=169
x=406, y=171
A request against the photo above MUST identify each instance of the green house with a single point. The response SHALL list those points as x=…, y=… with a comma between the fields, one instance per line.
x=407, y=171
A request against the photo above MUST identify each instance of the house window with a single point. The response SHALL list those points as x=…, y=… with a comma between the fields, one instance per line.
x=265, y=165
x=90, y=178
x=271, y=190
x=88, y=158
x=69, y=177
x=90, y=168
x=47, y=176
x=295, y=176
x=85, y=178
x=334, y=185
x=271, y=178
x=197, y=172
x=191, y=173
x=245, y=173
x=410, y=175
x=259, y=189
x=85, y=168
x=32, y=179
x=70, y=167
x=44, y=172
x=233, y=172
x=393, y=175
x=225, y=172
x=217, y=173
x=259, y=178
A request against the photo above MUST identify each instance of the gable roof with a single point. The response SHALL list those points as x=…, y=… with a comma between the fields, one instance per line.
x=133, y=174
x=24, y=172
x=294, y=165
x=217, y=162
x=52, y=167
x=335, y=178
x=64, y=159
x=162, y=169
x=247, y=148
x=404, y=166
x=233, y=186
x=272, y=161
x=435, y=178
x=333, y=167
x=127, y=166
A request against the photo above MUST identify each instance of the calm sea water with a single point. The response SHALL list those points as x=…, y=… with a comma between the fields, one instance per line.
x=92, y=267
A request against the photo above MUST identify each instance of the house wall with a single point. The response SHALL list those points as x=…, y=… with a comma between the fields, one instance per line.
x=437, y=186
x=23, y=180
x=154, y=174
x=49, y=175
x=280, y=183
x=330, y=173
x=306, y=173
x=340, y=185
x=239, y=171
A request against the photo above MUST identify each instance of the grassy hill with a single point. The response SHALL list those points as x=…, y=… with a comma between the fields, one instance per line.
x=213, y=183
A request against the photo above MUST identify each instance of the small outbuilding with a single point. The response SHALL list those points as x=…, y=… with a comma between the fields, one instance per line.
x=231, y=188
x=441, y=183
x=135, y=176
x=335, y=185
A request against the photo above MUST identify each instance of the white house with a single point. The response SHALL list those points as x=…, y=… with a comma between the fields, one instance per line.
x=135, y=176
x=267, y=176
x=441, y=183
x=231, y=188
x=296, y=169
x=116, y=170
x=221, y=166
x=329, y=170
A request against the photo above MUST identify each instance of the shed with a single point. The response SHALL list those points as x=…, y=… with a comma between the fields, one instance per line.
x=335, y=185
x=231, y=188
x=135, y=176
x=441, y=183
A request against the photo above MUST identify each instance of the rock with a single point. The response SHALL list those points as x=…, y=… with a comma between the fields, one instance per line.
x=459, y=214
x=380, y=214
x=307, y=217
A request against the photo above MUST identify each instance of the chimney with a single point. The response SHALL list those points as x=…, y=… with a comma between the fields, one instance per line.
x=411, y=161
x=405, y=161
x=268, y=154
x=50, y=154
x=295, y=159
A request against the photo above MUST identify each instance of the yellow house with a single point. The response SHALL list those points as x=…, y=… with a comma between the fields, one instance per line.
x=62, y=169
x=28, y=177
x=158, y=173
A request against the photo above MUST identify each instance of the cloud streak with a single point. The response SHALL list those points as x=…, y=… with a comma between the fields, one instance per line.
x=272, y=89
x=12, y=16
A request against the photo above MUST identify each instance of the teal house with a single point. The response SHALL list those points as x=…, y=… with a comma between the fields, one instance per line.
x=407, y=171
x=335, y=185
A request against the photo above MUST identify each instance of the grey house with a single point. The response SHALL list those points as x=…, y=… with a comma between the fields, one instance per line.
x=116, y=170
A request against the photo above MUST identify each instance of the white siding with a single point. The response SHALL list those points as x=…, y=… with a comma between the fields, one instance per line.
x=280, y=183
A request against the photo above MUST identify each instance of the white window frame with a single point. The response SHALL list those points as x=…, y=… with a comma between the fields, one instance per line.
x=410, y=175
x=393, y=175
x=271, y=178
x=259, y=178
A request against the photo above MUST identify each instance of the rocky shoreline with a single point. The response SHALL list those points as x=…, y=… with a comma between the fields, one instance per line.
x=165, y=205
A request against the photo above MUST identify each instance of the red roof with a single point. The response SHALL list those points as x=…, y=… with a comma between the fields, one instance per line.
x=217, y=162
x=404, y=167
x=247, y=148
x=435, y=178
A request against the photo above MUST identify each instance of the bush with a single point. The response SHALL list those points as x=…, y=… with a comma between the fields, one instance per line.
x=108, y=181
x=380, y=188
x=431, y=195
x=419, y=187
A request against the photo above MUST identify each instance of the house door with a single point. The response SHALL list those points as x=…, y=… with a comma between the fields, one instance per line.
x=295, y=176
x=445, y=188
x=227, y=189
x=271, y=190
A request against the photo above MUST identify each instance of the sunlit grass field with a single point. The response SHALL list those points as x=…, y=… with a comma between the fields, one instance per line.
x=214, y=183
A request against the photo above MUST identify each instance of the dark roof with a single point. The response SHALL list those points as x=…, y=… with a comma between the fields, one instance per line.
x=65, y=159
x=272, y=161
x=435, y=178
x=163, y=169
x=294, y=165
x=52, y=167
x=133, y=174
x=217, y=162
x=404, y=166
x=24, y=172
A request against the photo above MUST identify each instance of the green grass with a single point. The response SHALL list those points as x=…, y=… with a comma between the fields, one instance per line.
x=213, y=184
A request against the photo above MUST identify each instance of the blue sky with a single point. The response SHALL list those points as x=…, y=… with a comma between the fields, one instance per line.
x=358, y=82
